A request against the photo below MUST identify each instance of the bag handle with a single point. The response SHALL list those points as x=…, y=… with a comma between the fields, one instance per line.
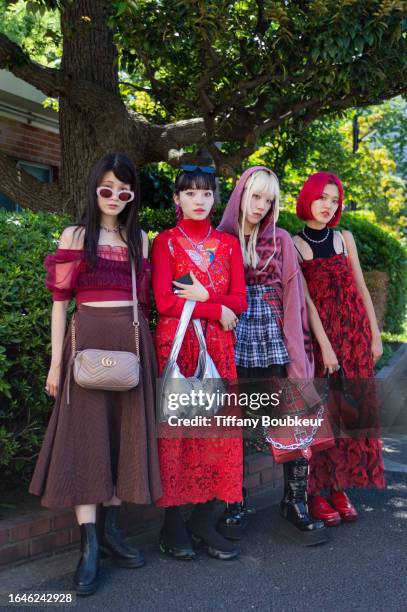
x=181, y=329
x=180, y=334
x=200, y=335
x=203, y=351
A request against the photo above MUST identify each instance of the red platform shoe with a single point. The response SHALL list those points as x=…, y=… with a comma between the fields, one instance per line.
x=341, y=502
x=320, y=509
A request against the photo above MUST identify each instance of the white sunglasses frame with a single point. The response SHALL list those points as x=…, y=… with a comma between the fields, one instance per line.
x=116, y=193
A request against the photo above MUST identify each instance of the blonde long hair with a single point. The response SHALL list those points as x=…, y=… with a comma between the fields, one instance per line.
x=260, y=182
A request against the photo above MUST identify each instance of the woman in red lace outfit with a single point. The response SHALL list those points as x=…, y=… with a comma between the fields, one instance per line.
x=346, y=336
x=198, y=470
x=100, y=446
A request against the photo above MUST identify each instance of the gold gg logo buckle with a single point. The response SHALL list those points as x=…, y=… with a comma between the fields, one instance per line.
x=108, y=362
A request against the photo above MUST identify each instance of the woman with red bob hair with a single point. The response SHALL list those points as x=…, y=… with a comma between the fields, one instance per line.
x=347, y=344
x=312, y=190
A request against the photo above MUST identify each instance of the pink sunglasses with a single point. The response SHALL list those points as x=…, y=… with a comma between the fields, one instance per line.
x=124, y=195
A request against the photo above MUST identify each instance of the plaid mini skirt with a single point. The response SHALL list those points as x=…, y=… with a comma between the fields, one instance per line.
x=259, y=339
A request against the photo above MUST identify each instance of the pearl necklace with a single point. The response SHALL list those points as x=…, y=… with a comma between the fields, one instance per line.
x=328, y=231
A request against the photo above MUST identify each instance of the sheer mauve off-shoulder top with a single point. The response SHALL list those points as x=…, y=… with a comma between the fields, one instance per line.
x=68, y=276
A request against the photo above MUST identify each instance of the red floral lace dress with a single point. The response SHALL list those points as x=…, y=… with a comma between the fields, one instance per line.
x=197, y=469
x=351, y=462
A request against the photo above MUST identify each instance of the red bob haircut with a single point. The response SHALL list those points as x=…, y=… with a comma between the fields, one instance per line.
x=312, y=190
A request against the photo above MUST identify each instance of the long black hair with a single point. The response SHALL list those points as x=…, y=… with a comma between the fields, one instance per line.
x=124, y=170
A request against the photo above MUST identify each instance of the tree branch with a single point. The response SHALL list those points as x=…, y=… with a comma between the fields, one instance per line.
x=27, y=191
x=262, y=24
x=161, y=139
x=56, y=83
x=49, y=80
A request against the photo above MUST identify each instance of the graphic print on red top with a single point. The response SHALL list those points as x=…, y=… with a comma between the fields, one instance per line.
x=196, y=470
x=332, y=287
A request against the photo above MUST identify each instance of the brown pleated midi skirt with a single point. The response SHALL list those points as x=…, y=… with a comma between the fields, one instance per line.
x=102, y=442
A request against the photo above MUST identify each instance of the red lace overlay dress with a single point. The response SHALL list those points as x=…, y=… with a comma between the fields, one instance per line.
x=351, y=462
x=196, y=469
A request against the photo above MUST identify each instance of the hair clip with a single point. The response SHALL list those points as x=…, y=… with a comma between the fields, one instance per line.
x=193, y=168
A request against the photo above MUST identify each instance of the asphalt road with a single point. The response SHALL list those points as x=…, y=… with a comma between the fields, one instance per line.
x=363, y=567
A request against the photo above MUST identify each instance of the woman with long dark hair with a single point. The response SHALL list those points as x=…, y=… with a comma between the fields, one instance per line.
x=100, y=446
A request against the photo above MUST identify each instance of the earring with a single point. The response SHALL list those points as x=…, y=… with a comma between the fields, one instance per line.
x=178, y=213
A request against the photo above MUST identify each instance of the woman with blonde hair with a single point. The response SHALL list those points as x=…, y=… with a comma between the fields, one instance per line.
x=272, y=336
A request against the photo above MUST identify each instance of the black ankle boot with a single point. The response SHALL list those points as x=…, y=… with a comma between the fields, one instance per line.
x=111, y=540
x=294, y=505
x=202, y=528
x=174, y=537
x=234, y=520
x=85, y=577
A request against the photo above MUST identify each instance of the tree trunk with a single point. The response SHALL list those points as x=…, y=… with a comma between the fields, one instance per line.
x=88, y=54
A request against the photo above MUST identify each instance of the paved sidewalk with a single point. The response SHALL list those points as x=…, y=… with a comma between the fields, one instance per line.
x=363, y=567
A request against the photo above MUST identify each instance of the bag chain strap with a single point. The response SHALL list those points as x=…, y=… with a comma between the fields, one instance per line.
x=308, y=440
x=73, y=336
x=305, y=442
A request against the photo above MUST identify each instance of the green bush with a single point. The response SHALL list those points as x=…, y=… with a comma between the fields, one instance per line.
x=24, y=339
x=26, y=306
x=379, y=249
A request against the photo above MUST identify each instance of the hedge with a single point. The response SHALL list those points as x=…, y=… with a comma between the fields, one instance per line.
x=25, y=318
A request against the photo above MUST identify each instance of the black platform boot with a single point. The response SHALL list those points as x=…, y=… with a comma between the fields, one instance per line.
x=234, y=520
x=174, y=537
x=85, y=577
x=202, y=528
x=111, y=539
x=294, y=506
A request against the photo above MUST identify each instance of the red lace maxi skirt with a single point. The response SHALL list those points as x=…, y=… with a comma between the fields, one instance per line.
x=196, y=470
x=352, y=462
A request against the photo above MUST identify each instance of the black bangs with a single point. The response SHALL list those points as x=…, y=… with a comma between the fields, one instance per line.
x=124, y=170
x=195, y=180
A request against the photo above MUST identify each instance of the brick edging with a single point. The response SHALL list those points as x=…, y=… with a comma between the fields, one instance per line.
x=44, y=532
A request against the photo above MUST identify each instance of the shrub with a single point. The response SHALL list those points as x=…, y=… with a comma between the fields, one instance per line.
x=26, y=305
x=24, y=339
x=379, y=249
